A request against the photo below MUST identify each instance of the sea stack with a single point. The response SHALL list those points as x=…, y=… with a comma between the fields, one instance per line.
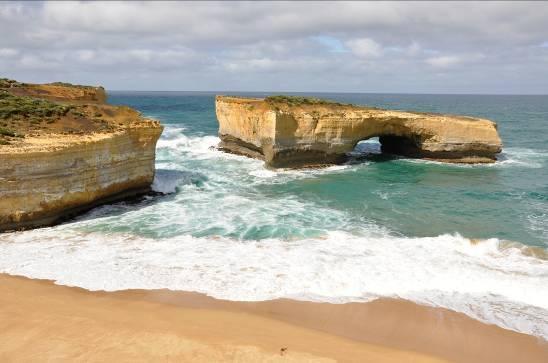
x=64, y=151
x=288, y=132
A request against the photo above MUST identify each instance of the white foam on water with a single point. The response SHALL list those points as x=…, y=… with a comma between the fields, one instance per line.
x=522, y=157
x=263, y=173
x=311, y=172
x=510, y=157
x=495, y=285
x=538, y=221
x=166, y=181
x=381, y=194
x=200, y=146
x=205, y=147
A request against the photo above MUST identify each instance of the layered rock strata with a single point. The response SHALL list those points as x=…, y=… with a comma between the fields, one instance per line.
x=299, y=132
x=54, y=167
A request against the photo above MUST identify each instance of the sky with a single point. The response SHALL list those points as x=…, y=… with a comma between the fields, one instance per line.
x=384, y=47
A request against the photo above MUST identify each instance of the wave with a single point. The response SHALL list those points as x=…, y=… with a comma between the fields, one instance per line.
x=492, y=281
x=175, y=142
x=225, y=231
x=205, y=147
x=522, y=157
x=509, y=157
x=168, y=181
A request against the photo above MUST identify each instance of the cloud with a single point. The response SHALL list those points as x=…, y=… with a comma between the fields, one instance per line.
x=365, y=48
x=444, y=61
x=8, y=52
x=330, y=46
x=242, y=22
x=413, y=49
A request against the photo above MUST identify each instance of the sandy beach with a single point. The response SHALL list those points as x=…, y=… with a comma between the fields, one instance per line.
x=43, y=321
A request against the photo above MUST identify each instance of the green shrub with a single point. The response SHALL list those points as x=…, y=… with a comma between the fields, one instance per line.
x=14, y=107
x=298, y=100
x=66, y=84
x=9, y=83
x=7, y=132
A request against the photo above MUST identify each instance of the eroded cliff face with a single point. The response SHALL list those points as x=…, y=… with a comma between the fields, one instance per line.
x=52, y=168
x=287, y=133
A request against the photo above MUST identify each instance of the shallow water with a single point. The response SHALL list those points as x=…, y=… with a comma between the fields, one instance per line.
x=379, y=226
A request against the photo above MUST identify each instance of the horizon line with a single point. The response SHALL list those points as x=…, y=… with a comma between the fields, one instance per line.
x=338, y=92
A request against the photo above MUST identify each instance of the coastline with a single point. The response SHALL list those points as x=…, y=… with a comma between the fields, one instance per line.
x=41, y=319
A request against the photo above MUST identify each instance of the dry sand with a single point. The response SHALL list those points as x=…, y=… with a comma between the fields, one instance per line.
x=40, y=321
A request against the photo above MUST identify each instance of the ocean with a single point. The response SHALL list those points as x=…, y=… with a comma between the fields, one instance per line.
x=471, y=238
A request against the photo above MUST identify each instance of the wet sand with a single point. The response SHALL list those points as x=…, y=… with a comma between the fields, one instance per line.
x=41, y=321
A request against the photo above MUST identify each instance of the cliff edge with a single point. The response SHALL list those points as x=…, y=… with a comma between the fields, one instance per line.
x=64, y=151
x=299, y=132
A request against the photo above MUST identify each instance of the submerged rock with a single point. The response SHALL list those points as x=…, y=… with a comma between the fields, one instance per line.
x=299, y=132
x=63, y=151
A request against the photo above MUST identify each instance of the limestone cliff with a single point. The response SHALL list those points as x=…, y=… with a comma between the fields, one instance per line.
x=60, y=158
x=298, y=132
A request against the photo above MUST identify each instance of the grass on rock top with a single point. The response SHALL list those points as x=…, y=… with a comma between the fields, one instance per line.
x=18, y=113
x=66, y=84
x=13, y=107
x=9, y=83
x=299, y=101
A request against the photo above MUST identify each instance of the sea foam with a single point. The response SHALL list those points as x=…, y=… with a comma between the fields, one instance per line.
x=496, y=285
x=224, y=232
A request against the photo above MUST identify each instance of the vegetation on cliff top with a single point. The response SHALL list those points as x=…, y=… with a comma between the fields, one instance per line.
x=22, y=106
x=9, y=83
x=20, y=113
x=26, y=112
x=300, y=101
x=66, y=84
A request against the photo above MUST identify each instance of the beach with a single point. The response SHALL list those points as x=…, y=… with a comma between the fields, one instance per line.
x=43, y=321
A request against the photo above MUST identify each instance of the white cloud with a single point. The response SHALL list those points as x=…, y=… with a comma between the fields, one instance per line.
x=413, y=49
x=269, y=65
x=222, y=45
x=8, y=52
x=86, y=55
x=365, y=48
x=33, y=62
x=241, y=22
x=444, y=61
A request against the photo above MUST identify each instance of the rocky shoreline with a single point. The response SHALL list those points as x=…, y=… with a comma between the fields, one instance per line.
x=67, y=151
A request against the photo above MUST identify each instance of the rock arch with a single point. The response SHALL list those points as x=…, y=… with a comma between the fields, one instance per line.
x=298, y=132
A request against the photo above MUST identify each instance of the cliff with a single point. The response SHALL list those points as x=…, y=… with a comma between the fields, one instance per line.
x=299, y=132
x=60, y=158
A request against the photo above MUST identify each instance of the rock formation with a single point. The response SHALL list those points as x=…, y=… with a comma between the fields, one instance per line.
x=61, y=158
x=298, y=132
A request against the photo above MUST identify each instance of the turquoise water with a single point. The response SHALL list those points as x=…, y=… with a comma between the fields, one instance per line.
x=377, y=226
x=507, y=201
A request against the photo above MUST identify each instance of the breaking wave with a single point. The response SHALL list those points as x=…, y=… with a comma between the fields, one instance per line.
x=223, y=230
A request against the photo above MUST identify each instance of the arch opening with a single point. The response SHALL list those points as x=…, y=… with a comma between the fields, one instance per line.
x=370, y=146
x=385, y=147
